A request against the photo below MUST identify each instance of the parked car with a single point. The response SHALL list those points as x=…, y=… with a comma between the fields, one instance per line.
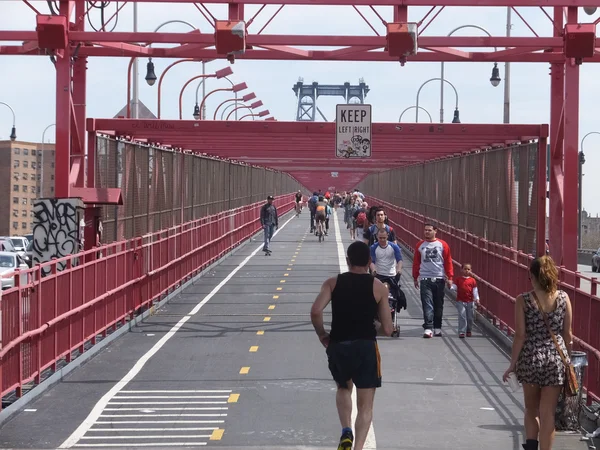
x=19, y=242
x=9, y=262
x=6, y=245
x=596, y=261
x=29, y=237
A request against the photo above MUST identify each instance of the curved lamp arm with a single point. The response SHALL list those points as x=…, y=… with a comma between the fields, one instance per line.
x=412, y=107
x=204, y=77
x=429, y=81
x=442, y=67
x=13, y=131
x=583, y=139
x=238, y=107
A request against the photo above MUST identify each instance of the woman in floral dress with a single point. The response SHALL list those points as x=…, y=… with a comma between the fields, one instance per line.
x=535, y=359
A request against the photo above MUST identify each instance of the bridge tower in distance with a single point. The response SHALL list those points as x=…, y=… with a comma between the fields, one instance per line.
x=308, y=94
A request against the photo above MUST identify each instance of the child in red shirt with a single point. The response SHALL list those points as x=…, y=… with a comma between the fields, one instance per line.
x=466, y=296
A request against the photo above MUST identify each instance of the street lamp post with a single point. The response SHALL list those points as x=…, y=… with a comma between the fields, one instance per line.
x=256, y=104
x=456, y=118
x=42, y=159
x=494, y=80
x=235, y=88
x=580, y=192
x=412, y=107
x=197, y=112
x=245, y=98
x=236, y=105
x=13, y=130
x=218, y=75
x=150, y=75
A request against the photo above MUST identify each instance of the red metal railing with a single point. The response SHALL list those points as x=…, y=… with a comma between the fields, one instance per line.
x=48, y=318
x=502, y=274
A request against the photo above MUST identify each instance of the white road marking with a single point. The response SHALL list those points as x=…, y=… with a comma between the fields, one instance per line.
x=137, y=367
x=132, y=397
x=179, y=392
x=370, y=443
x=154, y=429
x=209, y=408
x=144, y=444
x=143, y=436
x=138, y=422
x=166, y=403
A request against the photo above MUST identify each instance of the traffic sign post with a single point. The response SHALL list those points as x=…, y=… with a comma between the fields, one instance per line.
x=353, y=131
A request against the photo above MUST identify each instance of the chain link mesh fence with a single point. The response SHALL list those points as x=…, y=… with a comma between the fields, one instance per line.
x=161, y=187
x=492, y=194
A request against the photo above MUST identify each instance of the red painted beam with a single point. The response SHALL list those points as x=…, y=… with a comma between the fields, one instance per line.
x=139, y=126
x=515, y=3
x=316, y=40
x=315, y=55
x=98, y=196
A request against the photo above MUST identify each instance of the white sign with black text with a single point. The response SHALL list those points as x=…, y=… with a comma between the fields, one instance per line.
x=353, y=131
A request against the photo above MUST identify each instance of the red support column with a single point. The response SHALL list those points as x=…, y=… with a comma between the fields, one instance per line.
x=63, y=115
x=78, y=139
x=557, y=89
x=540, y=232
x=400, y=13
x=236, y=11
x=571, y=158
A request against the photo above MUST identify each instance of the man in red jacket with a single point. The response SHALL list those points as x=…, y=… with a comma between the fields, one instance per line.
x=432, y=271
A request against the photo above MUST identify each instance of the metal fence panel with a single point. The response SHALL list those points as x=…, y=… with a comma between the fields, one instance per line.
x=161, y=187
x=492, y=194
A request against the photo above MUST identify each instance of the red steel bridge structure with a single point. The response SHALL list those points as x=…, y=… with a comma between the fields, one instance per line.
x=305, y=151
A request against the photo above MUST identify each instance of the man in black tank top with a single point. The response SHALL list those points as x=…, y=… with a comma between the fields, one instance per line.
x=357, y=299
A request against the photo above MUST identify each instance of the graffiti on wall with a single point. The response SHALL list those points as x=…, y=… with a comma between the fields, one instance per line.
x=56, y=230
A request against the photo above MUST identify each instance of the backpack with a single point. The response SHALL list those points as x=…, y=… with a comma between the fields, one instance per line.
x=361, y=219
x=314, y=199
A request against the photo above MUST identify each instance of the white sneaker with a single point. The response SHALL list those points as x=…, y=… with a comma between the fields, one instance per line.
x=438, y=332
x=427, y=334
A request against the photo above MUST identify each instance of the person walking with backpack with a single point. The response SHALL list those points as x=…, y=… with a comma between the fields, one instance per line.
x=361, y=221
x=269, y=222
x=370, y=234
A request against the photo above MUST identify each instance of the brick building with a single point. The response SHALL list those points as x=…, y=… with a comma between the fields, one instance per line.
x=26, y=173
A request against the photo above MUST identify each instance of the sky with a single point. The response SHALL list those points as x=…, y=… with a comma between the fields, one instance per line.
x=27, y=83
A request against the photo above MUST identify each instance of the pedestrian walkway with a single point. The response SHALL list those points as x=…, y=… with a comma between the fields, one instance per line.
x=233, y=363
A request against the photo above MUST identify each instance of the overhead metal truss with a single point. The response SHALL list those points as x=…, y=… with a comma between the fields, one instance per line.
x=310, y=149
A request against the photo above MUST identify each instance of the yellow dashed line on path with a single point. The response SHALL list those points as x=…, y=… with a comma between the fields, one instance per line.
x=233, y=398
x=282, y=281
x=260, y=332
x=217, y=434
x=244, y=370
x=271, y=306
x=253, y=349
x=276, y=296
x=267, y=319
x=286, y=274
x=279, y=289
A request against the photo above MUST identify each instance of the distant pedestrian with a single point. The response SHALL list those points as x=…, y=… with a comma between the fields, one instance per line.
x=432, y=271
x=269, y=222
x=357, y=299
x=466, y=296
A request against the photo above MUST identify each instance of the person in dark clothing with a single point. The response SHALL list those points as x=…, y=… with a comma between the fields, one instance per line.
x=269, y=222
x=357, y=299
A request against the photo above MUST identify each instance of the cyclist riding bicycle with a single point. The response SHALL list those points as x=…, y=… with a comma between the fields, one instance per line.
x=321, y=216
x=298, y=202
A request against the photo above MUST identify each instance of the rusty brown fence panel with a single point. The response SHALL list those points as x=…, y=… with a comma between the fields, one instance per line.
x=161, y=187
x=492, y=194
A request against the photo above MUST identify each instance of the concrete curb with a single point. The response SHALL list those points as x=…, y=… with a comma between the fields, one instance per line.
x=59, y=375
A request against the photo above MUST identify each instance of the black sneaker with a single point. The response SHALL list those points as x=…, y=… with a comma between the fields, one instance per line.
x=346, y=441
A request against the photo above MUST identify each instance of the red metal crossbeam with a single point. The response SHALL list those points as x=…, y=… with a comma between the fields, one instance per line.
x=395, y=3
